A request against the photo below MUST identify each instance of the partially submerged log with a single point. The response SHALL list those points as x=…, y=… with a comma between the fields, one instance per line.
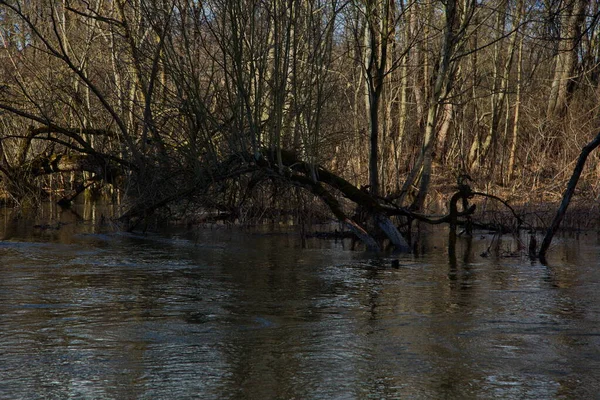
x=67, y=150
x=335, y=207
x=568, y=194
x=288, y=168
x=391, y=231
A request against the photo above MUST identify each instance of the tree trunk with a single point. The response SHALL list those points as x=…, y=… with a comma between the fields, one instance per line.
x=500, y=85
x=515, y=131
x=566, y=58
x=377, y=36
x=444, y=72
x=562, y=209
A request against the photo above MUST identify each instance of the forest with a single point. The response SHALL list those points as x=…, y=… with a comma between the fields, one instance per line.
x=375, y=113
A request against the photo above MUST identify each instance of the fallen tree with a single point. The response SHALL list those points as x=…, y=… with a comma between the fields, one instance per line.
x=568, y=194
x=67, y=152
x=288, y=168
x=63, y=151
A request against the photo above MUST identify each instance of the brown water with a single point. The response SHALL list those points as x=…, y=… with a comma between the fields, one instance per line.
x=222, y=314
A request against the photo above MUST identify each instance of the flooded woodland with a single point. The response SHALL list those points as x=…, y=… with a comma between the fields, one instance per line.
x=299, y=199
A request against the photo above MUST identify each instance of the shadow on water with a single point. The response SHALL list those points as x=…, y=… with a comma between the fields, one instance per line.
x=221, y=313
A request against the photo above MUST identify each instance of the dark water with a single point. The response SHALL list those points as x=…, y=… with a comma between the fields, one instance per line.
x=221, y=314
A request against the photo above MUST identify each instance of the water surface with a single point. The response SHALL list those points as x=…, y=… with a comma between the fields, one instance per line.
x=87, y=312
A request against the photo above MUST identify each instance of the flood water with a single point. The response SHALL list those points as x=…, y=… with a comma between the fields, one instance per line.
x=88, y=312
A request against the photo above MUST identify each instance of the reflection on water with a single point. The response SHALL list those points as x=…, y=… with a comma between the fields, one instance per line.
x=218, y=314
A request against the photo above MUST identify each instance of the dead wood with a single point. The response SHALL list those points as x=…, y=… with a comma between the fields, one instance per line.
x=568, y=194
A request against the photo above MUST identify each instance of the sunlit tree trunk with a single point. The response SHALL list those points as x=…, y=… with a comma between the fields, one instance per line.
x=517, y=112
x=563, y=81
x=500, y=82
x=399, y=138
x=445, y=122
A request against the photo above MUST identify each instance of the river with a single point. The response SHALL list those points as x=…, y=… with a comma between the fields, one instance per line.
x=87, y=312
